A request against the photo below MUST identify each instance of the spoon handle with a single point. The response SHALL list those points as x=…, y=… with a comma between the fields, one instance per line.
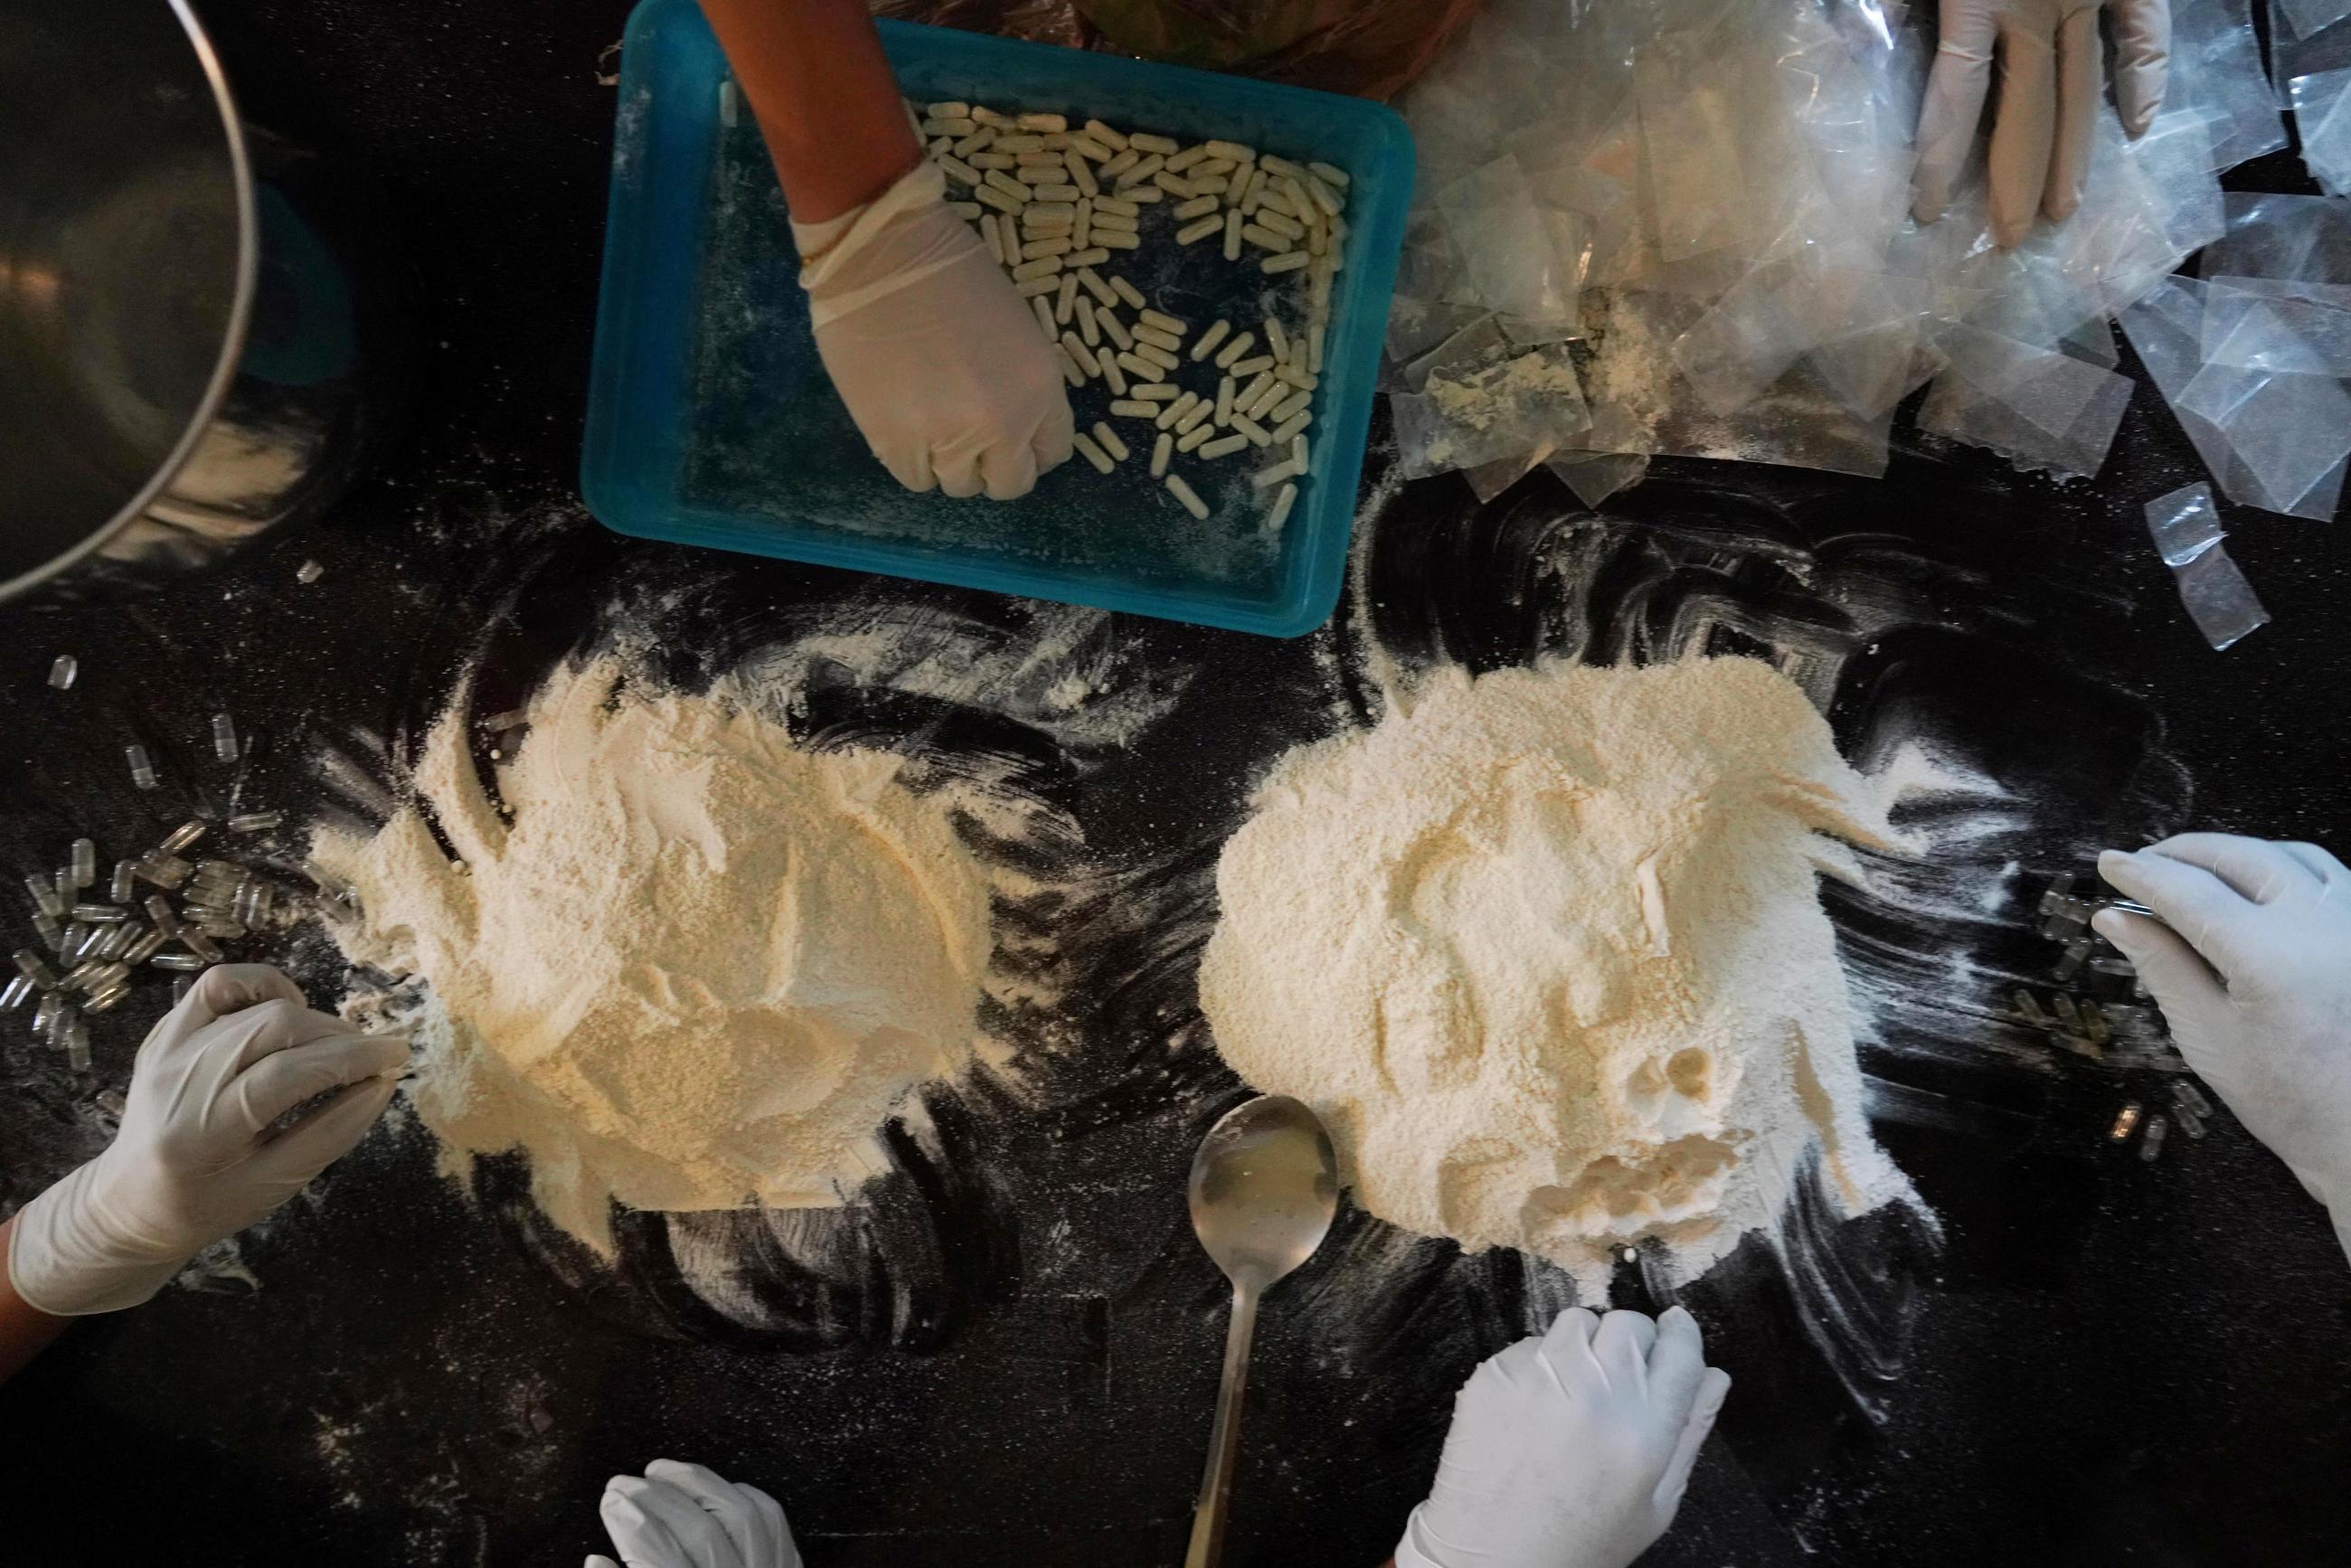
x=1207, y=1548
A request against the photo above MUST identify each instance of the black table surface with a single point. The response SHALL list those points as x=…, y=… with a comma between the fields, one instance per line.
x=1005, y=1353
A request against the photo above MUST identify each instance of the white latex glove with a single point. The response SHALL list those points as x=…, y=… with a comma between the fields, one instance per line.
x=683, y=1516
x=2253, y=975
x=1570, y=1450
x=940, y=362
x=2052, y=76
x=195, y=1159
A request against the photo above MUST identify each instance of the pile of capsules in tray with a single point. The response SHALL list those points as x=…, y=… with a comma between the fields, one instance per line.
x=1055, y=207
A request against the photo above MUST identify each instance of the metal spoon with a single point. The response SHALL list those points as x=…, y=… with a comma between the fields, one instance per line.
x=1264, y=1187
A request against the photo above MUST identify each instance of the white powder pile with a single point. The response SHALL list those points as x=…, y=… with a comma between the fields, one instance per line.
x=696, y=971
x=1546, y=953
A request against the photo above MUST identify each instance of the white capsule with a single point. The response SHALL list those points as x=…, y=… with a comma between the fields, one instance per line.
x=1114, y=327
x=1146, y=141
x=1233, y=235
x=1188, y=496
x=1208, y=339
x=1076, y=346
x=1290, y=262
x=1224, y=447
x=1193, y=234
x=1163, y=452
x=1133, y=408
x=1157, y=339
x=1127, y=291
x=1091, y=453
x=1281, y=505
x=1276, y=339
x=1192, y=440
x=1232, y=352
x=1113, y=376
x=1110, y=441
x=1135, y=177
x=1069, y=371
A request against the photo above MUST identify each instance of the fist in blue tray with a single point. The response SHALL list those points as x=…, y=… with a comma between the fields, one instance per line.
x=940, y=362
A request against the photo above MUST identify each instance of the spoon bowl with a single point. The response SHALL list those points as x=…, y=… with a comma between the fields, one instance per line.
x=1264, y=1189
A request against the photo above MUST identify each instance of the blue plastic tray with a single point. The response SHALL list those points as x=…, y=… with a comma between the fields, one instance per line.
x=710, y=421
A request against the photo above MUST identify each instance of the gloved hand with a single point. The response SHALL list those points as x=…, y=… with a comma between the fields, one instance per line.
x=2052, y=74
x=1570, y=1450
x=683, y=1516
x=195, y=1159
x=940, y=362
x=2253, y=975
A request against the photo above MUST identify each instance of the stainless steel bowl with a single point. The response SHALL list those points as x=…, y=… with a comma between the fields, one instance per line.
x=202, y=335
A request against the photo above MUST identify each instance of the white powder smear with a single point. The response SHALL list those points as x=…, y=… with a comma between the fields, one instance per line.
x=1546, y=953
x=697, y=970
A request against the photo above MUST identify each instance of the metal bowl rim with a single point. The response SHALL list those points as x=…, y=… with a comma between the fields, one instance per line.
x=240, y=316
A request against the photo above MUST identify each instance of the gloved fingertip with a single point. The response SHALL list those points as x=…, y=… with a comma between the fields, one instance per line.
x=2061, y=205
x=2008, y=235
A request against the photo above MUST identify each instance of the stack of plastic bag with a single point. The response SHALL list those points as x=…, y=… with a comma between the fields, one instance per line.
x=2310, y=64
x=1698, y=211
x=2253, y=356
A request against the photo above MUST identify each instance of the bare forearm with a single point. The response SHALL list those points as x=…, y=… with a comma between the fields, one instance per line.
x=25, y=1331
x=821, y=88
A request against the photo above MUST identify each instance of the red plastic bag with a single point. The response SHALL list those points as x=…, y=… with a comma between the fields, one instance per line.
x=1371, y=48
